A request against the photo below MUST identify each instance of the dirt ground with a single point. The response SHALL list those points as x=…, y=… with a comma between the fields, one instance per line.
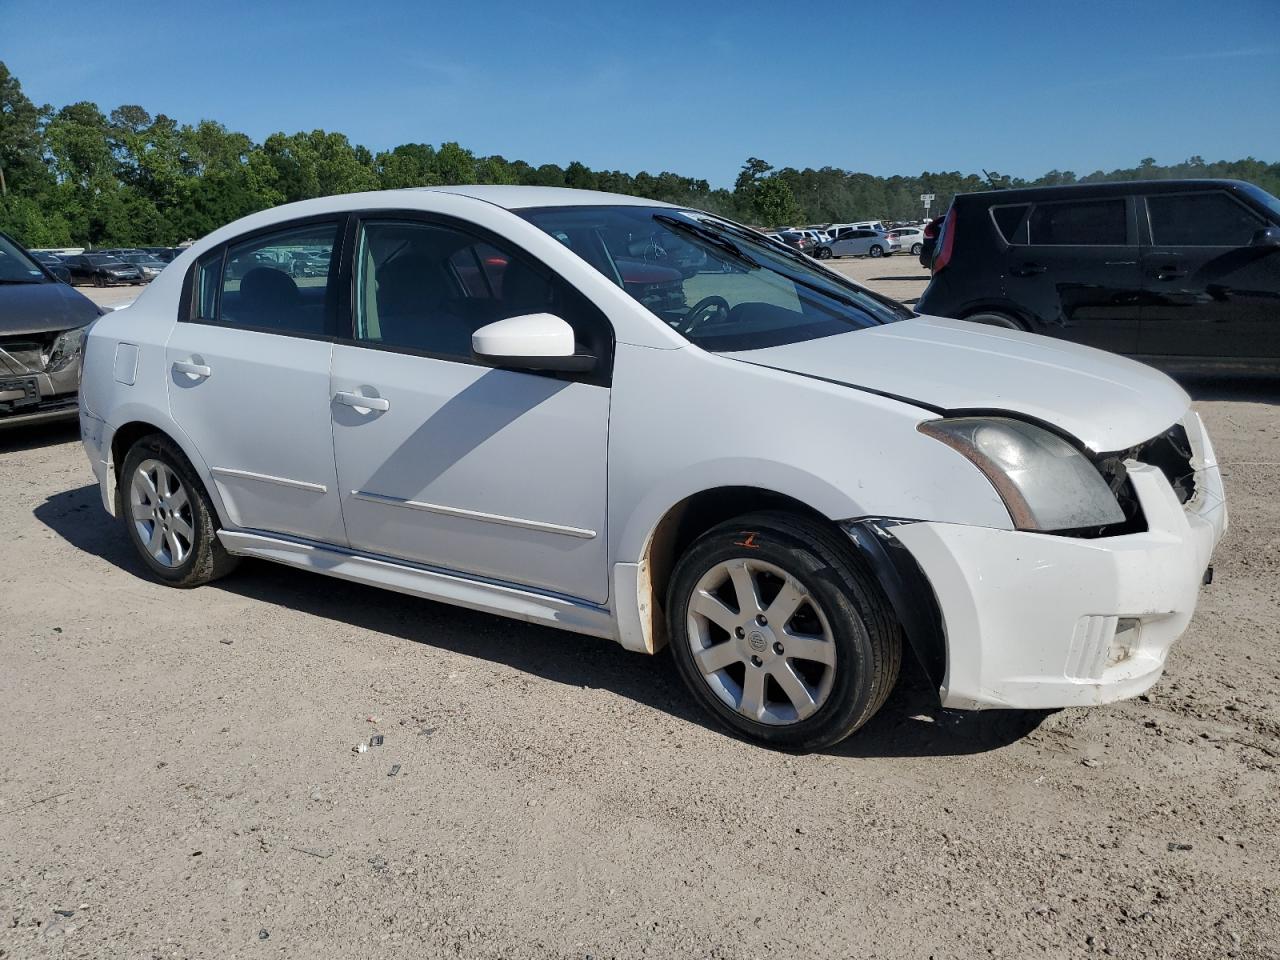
x=178, y=778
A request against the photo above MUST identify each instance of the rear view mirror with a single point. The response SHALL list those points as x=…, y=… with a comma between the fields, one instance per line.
x=534, y=341
x=1266, y=237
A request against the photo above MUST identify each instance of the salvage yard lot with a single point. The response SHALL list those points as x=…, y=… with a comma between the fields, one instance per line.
x=179, y=776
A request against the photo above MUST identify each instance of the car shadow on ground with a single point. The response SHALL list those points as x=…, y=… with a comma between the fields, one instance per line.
x=1238, y=389
x=898, y=730
x=18, y=439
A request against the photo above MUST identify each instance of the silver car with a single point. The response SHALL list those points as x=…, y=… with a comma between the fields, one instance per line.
x=859, y=243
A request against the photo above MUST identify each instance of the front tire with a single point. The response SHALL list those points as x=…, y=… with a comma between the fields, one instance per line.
x=780, y=633
x=993, y=319
x=876, y=250
x=169, y=516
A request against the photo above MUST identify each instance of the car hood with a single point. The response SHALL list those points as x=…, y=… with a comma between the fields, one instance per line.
x=1105, y=401
x=42, y=307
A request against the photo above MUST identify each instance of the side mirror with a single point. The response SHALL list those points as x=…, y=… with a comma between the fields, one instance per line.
x=534, y=341
x=1266, y=237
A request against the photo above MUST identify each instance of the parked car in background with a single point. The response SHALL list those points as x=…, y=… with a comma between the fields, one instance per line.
x=1183, y=273
x=929, y=238
x=795, y=240
x=53, y=263
x=838, y=231
x=100, y=269
x=42, y=325
x=145, y=262
x=473, y=407
x=861, y=243
x=818, y=237
x=910, y=239
x=164, y=254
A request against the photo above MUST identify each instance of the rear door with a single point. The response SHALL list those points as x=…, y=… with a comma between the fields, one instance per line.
x=248, y=377
x=1209, y=293
x=1073, y=264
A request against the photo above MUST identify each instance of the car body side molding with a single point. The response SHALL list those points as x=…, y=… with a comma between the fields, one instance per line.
x=520, y=603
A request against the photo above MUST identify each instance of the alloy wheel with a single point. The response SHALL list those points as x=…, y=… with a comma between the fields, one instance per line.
x=761, y=642
x=160, y=509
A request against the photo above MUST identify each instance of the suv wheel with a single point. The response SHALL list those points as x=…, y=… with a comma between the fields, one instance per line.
x=170, y=519
x=876, y=250
x=779, y=632
x=993, y=319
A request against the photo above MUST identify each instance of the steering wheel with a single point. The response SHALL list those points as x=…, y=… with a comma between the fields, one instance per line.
x=704, y=310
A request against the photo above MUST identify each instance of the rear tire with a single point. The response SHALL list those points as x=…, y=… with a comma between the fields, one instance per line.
x=810, y=652
x=876, y=250
x=824, y=253
x=169, y=516
x=995, y=319
x=915, y=249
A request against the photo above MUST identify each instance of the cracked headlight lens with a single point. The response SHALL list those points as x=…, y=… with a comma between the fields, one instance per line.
x=66, y=349
x=1045, y=482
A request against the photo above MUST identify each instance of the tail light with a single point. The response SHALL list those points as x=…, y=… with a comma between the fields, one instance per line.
x=946, y=240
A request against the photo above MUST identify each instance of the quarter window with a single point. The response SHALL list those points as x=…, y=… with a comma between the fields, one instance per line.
x=1079, y=223
x=1009, y=221
x=1201, y=220
x=280, y=283
x=428, y=288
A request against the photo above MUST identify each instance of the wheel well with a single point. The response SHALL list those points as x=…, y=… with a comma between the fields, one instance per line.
x=126, y=436
x=690, y=519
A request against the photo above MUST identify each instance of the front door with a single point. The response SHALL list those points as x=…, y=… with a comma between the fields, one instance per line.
x=1075, y=266
x=1209, y=293
x=444, y=461
x=248, y=379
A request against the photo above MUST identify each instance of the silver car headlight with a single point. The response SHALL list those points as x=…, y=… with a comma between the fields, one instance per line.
x=1045, y=482
x=66, y=349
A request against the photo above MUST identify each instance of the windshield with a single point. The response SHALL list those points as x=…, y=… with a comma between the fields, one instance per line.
x=16, y=266
x=1264, y=198
x=718, y=284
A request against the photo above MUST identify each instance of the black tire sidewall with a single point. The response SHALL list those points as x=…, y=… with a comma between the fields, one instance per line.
x=853, y=687
x=875, y=251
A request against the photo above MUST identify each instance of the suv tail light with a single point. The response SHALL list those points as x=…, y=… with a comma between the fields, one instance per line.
x=946, y=241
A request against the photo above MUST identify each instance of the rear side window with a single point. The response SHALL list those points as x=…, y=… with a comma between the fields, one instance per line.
x=1201, y=220
x=1079, y=223
x=279, y=283
x=1010, y=222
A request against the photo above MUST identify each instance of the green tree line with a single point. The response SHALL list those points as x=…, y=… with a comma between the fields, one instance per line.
x=75, y=176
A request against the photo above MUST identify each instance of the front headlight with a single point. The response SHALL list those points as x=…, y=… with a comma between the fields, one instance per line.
x=66, y=349
x=1046, y=483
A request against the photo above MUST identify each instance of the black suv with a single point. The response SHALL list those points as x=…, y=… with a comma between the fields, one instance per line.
x=1179, y=272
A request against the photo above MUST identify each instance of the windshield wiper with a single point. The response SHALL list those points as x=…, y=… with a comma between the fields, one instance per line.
x=708, y=236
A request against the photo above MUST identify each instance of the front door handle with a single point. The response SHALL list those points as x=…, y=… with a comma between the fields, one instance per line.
x=1029, y=269
x=361, y=402
x=197, y=370
x=1169, y=271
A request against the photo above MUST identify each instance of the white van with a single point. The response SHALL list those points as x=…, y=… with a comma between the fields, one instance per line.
x=838, y=231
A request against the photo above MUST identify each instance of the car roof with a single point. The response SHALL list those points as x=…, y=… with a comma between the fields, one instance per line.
x=1102, y=189
x=518, y=198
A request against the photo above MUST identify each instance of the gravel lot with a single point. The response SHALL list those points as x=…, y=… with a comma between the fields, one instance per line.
x=179, y=780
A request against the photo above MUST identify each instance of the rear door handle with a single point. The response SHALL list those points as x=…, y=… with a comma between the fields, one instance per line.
x=197, y=370
x=1169, y=272
x=361, y=402
x=1029, y=269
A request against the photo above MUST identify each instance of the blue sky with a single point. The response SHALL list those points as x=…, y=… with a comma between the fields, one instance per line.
x=899, y=87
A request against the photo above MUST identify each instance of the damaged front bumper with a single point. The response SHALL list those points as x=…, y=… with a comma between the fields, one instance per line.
x=1036, y=621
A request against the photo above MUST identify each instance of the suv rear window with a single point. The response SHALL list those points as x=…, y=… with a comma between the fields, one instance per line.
x=1093, y=223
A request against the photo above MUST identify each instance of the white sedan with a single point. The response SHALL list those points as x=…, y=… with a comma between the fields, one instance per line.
x=487, y=399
